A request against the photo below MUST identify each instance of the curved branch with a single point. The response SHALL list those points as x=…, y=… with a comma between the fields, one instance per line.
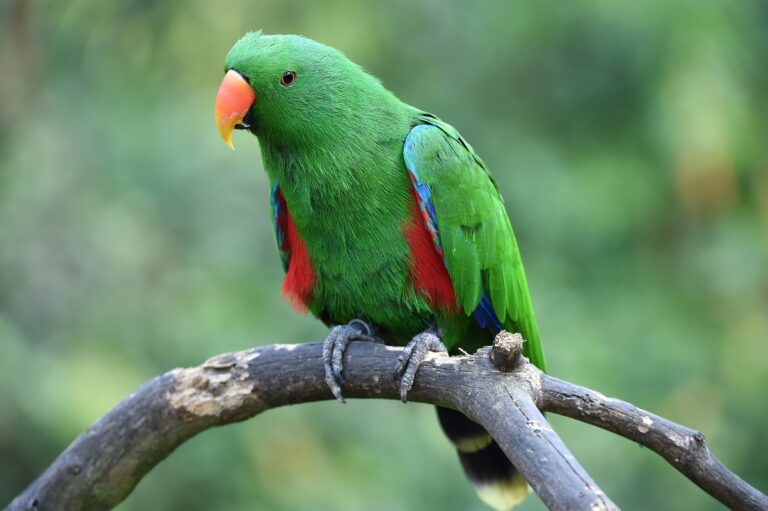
x=101, y=467
x=682, y=447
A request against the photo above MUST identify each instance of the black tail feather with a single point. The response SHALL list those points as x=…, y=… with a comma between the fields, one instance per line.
x=495, y=479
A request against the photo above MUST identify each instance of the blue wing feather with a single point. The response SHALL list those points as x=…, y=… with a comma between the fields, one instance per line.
x=278, y=210
x=485, y=316
x=423, y=193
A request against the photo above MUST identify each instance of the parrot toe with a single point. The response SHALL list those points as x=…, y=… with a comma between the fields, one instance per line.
x=333, y=351
x=412, y=356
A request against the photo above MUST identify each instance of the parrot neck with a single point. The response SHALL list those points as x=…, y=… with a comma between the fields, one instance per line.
x=322, y=181
x=354, y=154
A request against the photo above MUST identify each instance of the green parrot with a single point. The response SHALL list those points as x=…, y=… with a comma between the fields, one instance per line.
x=388, y=223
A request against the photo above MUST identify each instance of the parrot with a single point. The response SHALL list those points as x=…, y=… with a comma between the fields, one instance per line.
x=388, y=224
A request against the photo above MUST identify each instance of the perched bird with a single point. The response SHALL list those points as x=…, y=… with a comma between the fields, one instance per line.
x=387, y=222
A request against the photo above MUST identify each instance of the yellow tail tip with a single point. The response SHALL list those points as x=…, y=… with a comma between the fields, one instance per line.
x=504, y=495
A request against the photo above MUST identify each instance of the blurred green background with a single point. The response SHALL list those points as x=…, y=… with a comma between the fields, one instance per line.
x=629, y=140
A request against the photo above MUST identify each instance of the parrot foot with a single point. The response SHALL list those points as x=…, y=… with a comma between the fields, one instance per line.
x=333, y=351
x=413, y=355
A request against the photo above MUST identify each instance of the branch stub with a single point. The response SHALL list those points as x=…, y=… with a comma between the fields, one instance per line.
x=507, y=347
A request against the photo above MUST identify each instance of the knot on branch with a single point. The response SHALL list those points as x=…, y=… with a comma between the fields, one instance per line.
x=506, y=352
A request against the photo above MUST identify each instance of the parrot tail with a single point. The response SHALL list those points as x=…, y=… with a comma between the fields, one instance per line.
x=496, y=481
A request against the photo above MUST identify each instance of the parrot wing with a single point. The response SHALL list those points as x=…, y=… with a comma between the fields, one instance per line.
x=465, y=215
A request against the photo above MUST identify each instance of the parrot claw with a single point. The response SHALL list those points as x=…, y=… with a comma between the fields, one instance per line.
x=333, y=351
x=412, y=356
x=338, y=377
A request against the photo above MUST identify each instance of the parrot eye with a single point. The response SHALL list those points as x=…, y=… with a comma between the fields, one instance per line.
x=288, y=78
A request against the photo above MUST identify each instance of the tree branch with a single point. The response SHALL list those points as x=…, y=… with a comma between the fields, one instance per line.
x=682, y=447
x=101, y=467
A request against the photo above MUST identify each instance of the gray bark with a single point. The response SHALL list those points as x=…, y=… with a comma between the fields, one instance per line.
x=101, y=467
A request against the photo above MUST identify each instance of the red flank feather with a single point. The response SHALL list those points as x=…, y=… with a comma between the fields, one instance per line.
x=428, y=272
x=300, y=277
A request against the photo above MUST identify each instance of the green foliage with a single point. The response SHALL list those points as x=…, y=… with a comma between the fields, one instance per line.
x=628, y=140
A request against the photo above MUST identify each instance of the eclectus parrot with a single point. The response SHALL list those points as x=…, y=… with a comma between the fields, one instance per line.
x=387, y=222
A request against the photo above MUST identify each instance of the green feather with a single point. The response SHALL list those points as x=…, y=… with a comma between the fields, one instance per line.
x=475, y=231
x=333, y=141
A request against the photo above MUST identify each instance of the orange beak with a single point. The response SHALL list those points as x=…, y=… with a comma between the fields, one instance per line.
x=233, y=101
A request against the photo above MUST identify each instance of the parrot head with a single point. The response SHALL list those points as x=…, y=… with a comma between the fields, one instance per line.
x=286, y=88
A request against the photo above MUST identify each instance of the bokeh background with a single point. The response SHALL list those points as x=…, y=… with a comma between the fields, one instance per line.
x=629, y=139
